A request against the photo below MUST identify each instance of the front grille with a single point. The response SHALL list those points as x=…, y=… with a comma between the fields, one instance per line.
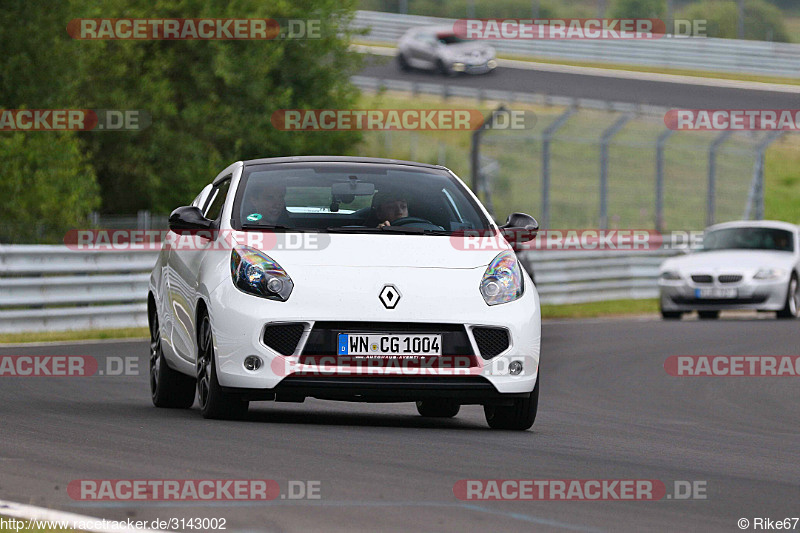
x=324, y=336
x=283, y=338
x=702, y=278
x=491, y=341
x=729, y=278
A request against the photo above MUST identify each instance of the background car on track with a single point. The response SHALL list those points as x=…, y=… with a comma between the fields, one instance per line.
x=438, y=48
x=741, y=265
x=381, y=301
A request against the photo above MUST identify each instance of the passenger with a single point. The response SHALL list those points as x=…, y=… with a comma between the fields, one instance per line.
x=267, y=206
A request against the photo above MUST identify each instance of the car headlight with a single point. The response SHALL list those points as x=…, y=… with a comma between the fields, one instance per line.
x=770, y=273
x=670, y=275
x=502, y=282
x=258, y=274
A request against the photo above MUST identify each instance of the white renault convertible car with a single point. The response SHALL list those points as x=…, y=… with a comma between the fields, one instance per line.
x=349, y=279
x=741, y=265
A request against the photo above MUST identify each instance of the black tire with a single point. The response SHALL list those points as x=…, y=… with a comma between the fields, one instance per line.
x=671, y=315
x=518, y=417
x=214, y=403
x=403, y=63
x=168, y=388
x=792, y=307
x=442, y=69
x=438, y=408
x=708, y=315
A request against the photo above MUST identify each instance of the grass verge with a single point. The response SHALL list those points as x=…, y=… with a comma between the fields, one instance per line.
x=598, y=309
x=56, y=336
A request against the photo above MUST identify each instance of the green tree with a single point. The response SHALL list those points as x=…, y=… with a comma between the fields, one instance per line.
x=762, y=21
x=210, y=101
x=47, y=186
x=46, y=183
x=639, y=9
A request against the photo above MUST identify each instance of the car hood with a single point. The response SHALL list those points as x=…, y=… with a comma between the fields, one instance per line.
x=730, y=260
x=363, y=250
x=465, y=49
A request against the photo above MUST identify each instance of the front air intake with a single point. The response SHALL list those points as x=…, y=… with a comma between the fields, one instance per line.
x=491, y=341
x=283, y=338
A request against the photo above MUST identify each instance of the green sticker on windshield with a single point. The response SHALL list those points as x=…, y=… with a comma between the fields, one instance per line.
x=254, y=217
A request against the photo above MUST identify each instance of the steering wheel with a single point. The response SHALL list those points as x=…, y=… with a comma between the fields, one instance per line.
x=407, y=221
x=417, y=222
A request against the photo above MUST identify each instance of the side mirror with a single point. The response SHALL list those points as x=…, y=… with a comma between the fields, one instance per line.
x=519, y=228
x=188, y=218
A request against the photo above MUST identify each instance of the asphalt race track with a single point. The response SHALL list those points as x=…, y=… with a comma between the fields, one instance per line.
x=659, y=93
x=608, y=410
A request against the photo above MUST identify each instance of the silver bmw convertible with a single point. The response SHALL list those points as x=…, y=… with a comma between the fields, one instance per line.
x=741, y=265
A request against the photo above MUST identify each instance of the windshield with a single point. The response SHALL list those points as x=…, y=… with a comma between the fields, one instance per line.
x=354, y=197
x=749, y=239
x=449, y=38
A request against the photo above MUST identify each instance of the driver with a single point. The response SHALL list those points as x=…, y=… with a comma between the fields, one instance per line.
x=389, y=206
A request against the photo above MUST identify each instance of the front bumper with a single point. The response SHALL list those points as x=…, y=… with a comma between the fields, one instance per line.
x=750, y=294
x=239, y=319
x=474, y=68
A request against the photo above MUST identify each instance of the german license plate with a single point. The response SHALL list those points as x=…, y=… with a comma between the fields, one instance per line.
x=389, y=344
x=715, y=293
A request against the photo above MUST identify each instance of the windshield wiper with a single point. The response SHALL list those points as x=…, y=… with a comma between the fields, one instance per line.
x=351, y=229
x=400, y=230
x=414, y=231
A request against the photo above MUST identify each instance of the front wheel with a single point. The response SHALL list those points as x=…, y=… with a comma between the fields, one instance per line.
x=671, y=315
x=403, y=63
x=214, y=403
x=519, y=416
x=708, y=315
x=168, y=387
x=790, y=310
x=443, y=69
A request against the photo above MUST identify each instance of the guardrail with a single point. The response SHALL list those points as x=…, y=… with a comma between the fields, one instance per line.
x=53, y=288
x=695, y=53
x=566, y=277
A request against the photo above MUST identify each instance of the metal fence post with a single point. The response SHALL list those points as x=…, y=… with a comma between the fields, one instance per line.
x=605, y=140
x=475, y=155
x=547, y=136
x=659, y=208
x=711, y=197
x=755, y=196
